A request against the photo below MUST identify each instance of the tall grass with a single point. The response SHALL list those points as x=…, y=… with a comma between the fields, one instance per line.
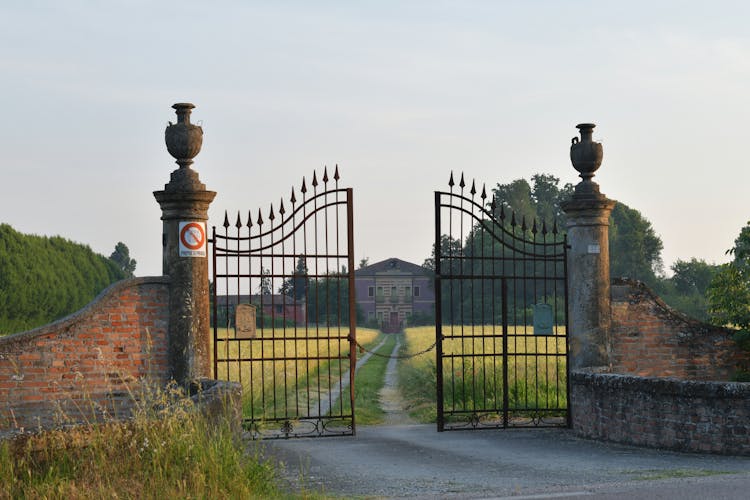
x=308, y=365
x=168, y=450
x=473, y=371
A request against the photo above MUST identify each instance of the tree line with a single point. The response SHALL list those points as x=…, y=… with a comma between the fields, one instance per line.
x=46, y=278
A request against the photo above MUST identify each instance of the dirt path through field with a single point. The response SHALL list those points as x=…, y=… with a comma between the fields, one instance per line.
x=391, y=401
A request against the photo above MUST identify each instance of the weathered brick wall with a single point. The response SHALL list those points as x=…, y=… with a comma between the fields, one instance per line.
x=659, y=412
x=82, y=366
x=648, y=338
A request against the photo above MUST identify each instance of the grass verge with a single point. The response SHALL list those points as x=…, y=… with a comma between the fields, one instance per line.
x=368, y=382
x=168, y=450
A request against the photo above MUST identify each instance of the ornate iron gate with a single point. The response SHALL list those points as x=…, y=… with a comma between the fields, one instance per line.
x=283, y=312
x=501, y=315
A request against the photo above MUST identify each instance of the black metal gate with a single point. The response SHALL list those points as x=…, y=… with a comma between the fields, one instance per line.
x=283, y=312
x=501, y=315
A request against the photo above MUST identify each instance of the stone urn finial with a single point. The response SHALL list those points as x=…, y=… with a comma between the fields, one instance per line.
x=585, y=154
x=183, y=139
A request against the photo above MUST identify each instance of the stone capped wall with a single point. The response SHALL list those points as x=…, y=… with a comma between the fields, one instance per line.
x=683, y=415
x=86, y=365
x=648, y=338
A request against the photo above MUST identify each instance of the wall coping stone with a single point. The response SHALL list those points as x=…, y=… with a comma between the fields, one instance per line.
x=599, y=377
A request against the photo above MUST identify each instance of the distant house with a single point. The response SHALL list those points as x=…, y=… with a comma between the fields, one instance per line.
x=392, y=291
x=273, y=307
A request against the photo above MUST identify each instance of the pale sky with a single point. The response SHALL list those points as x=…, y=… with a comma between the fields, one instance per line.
x=398, y=93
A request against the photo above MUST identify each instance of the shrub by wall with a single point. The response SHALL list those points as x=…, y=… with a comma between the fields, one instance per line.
x=84, y=366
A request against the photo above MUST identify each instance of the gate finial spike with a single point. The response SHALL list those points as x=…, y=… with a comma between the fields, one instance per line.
x=493, y=203
x=502, y=212
x=281, y=208
x=325, y=174
x=226, y=219
x=238, y=224
x=484, y=192
x=260, y=218
x=524, y=227
x=450, y=181
x=315, y=179
x=271, y=216
x=293, y=199
x=473, y=188
x=513, y=219
x=554, y=227
x=304, y=186
x=533, y=227
x=544, y=227
x=249, y=219
x=336, y=176
x=462, y=183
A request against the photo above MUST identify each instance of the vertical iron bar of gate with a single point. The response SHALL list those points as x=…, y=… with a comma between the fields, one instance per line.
x=567, y=331
x=352, y=304
x=214, y=308
x=504, y=299
x=438, y=319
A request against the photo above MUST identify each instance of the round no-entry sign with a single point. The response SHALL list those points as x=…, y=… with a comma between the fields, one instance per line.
x=192, y=239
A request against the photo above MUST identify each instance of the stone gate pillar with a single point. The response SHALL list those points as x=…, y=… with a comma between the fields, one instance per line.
x=588, y=210
x=184, y=203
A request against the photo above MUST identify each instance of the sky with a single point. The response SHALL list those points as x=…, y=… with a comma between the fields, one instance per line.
x=397, y=93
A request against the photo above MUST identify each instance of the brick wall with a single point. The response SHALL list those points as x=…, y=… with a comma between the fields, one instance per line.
x=81, y=366
x=648, y=338
x=676, y=414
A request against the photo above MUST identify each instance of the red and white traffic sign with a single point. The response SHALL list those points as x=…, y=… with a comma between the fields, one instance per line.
x=192, y=239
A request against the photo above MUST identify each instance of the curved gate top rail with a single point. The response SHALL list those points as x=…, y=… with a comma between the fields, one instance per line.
x=501, y=314
x=283, y=311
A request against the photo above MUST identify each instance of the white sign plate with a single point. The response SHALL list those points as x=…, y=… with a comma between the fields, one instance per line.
x=595, y=249
x=192, y=239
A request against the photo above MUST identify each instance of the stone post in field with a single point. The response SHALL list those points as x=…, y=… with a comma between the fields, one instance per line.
x=184, y=203
x=588, y=257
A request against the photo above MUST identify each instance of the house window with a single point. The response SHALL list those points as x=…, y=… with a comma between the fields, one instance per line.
x=380, y=316
x=393, y=291
x=380, y=291
x=279, y=308
x=370, y=315
x=416, y=291
x=370, y=291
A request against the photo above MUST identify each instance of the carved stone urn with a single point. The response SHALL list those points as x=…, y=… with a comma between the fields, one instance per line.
x=183, y=139
x=586, y=155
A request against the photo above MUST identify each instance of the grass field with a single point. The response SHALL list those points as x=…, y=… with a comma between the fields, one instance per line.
x=289, y=373
x=473, y=371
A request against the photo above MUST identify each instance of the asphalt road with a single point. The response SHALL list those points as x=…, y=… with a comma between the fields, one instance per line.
x=415, y=461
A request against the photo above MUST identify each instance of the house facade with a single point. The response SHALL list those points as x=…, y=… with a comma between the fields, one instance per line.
x=391, y=292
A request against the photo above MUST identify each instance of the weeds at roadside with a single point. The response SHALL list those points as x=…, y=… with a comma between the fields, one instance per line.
x=168, y=449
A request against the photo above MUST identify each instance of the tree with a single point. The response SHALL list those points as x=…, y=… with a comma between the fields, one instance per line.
x=693, y=276
x=634, y=247
x=121, y=257
x=686, y=289
x=45, y=278
x=364, y=262
x=296, y=286
x=729, y=292
x=265, y=287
